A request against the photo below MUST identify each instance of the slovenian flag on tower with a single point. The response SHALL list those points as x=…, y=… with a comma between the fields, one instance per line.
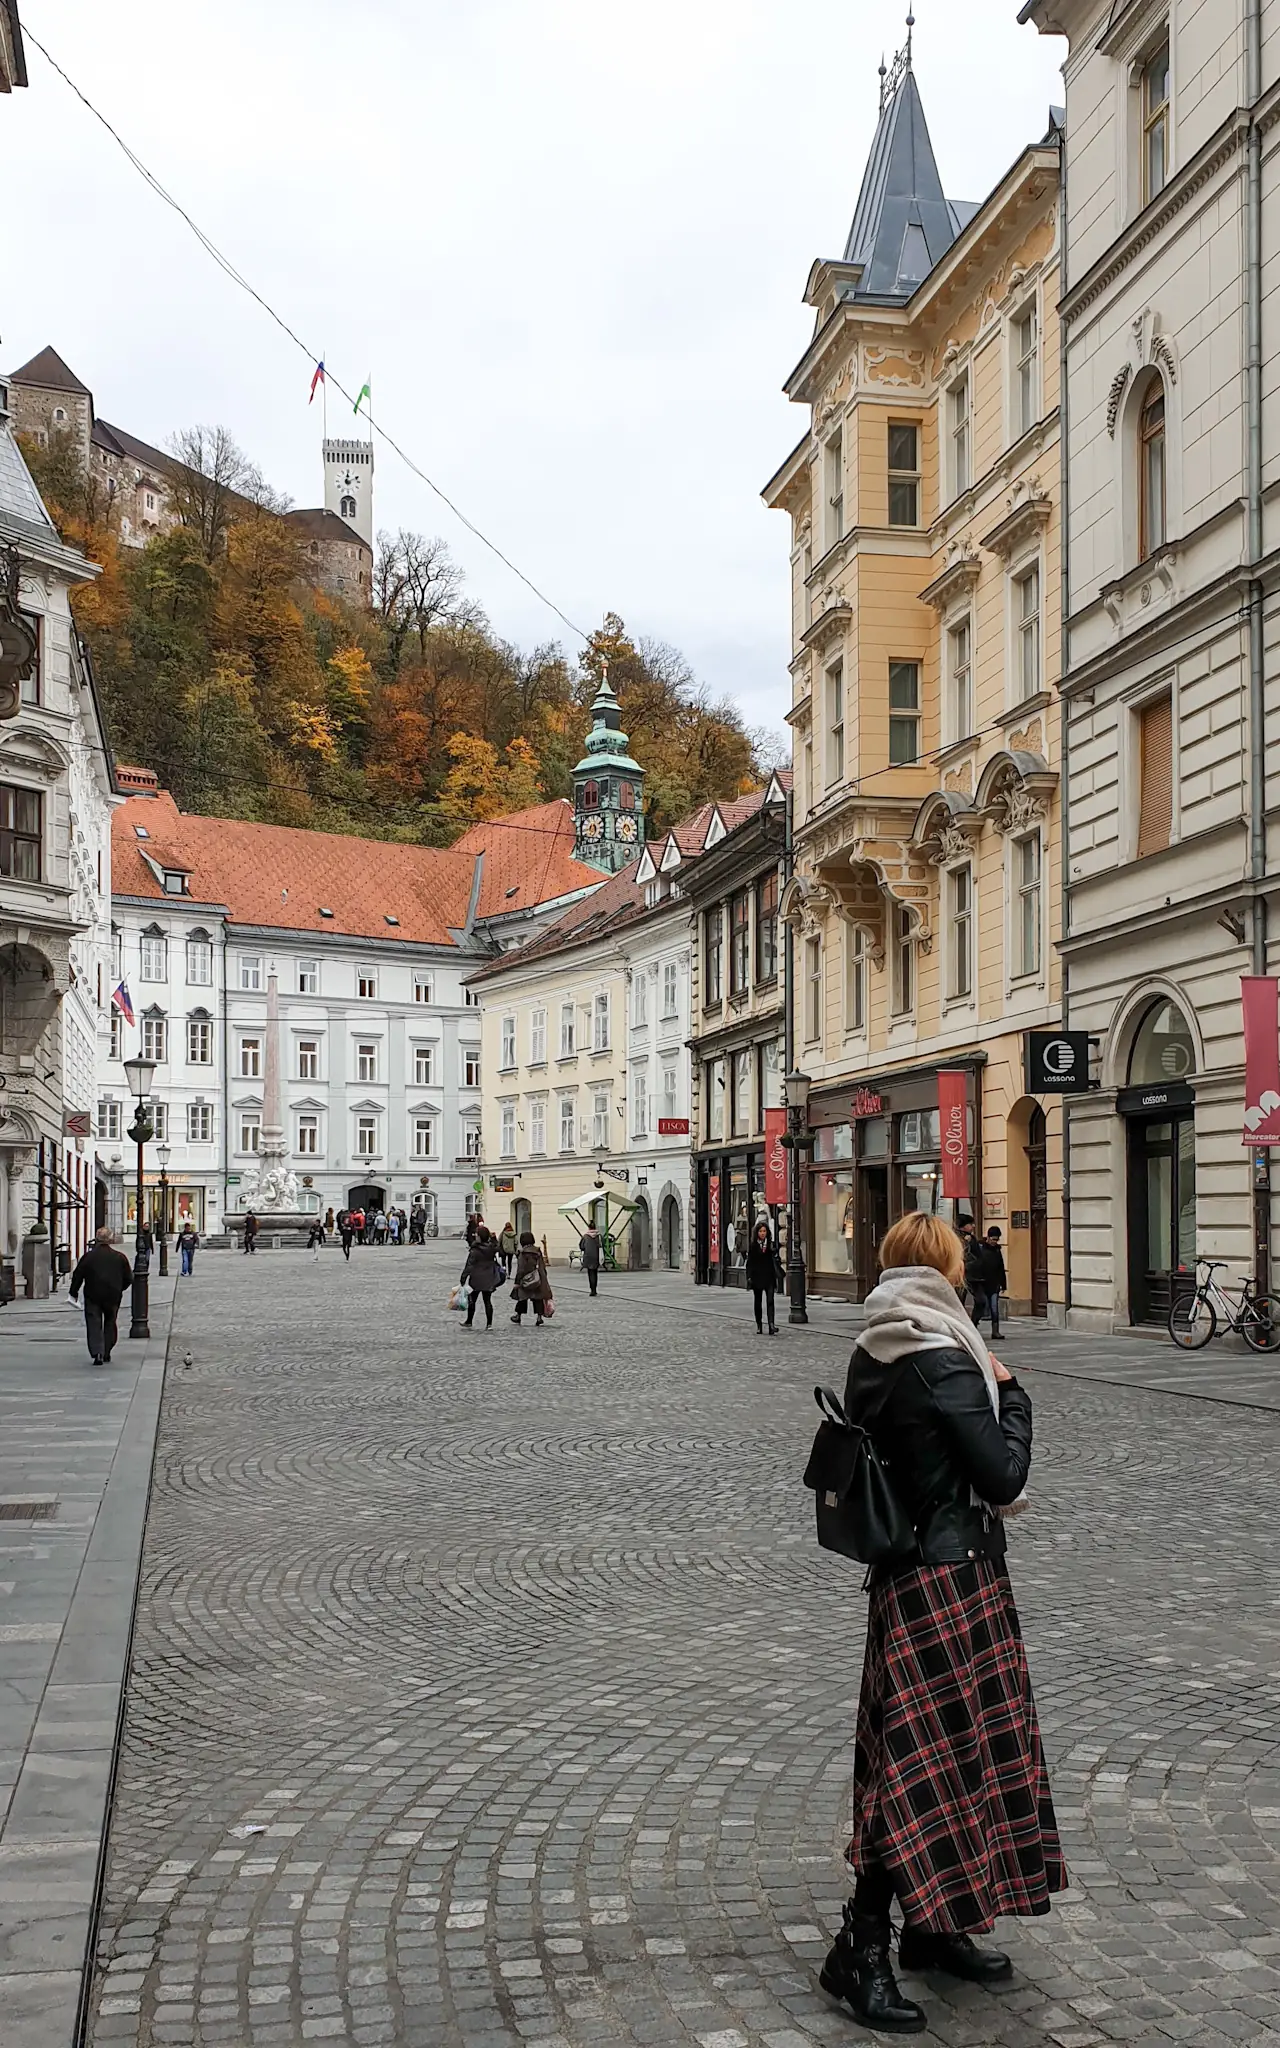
x=317, y=377
x=123, y=1002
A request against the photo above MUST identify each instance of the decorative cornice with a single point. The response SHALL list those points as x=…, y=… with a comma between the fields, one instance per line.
x=834, y=620
x=956, y=580
x=1115, y=394
x=1027, y=516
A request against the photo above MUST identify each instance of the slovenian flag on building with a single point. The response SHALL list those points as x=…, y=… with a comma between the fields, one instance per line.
x=121, y=998
x=317, y=377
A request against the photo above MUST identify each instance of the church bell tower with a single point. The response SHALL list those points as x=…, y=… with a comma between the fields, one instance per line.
x=608, y=791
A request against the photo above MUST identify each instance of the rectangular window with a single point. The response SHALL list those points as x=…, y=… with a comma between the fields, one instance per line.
x=424, y=1137
x=507, y=1138
x=199, y=1123
x=508, y=1044
x=471, y=1067
x=471, y=998
x=471, y=1141
x=250, y=1133
x=109, y=1125
x=153, y=957
x=740, y=1093
x=199, y=1041
x=640, y=999
x=367, y=984
x=904, y=474
x=600, y=1121
x=600, y=1024
x=904, y=962
x=1155, y=123
x=960, y=668
x=308, y=977
x=767, y=927
x=1026, y=370
x=422, y=988
x=639, y=1093
x=199, y=963
x=308, y=1136
x=308, y=1059
x=740, y=944
x=567, y=1122
x=251, y=972
x=1026, y=868
x=713, y=955
x=670, y=990
x=812, y=989
x=714, y=1071
x=960, y=935
x=568, y=1031
x=835, y=723
x=366, y=1137
x=834, y=460
x=904, y=712
x=1155, y=775
x=250, y=1059
x=958, y=422
x=538, y=1039
x=29, y=689
x=160, y=1121
x=538, y=1126
x=424, y=1066
x=670, y=1096
x=175, y=882
x=153, y=1038
x=1026, y=591
x=855, y=978
x=1152, y=522
x=117, y=953
x=117, y=1036
x=771, y=1064
x=366, y=1063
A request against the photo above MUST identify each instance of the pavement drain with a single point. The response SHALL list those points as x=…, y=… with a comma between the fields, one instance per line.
x=28, y=1510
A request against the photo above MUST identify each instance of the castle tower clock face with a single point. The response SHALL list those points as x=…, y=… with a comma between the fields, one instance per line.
x=626, y=827
x=592, y=828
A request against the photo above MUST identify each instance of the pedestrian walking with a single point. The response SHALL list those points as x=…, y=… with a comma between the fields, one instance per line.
x=762, y=1273
x=250, y=1233
x=482, y=1275
x=357, y=1225
x=103, y=1273
x=507, y=1248
x=953, y=1813
x=987, y=1278
x=346, y=1232
x=417, y=1224
x=393, y=1225
x=590, y=1246
x=475, y=1224
x=188, y=1246
x=532, y=1288
x=328, y=1223
x=315, y=1241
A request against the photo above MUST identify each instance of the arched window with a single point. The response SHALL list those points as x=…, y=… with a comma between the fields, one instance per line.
x=591, y=796
x=1151, y=471
x=1163, y=1048
x=626, y=796
x=59, y=415
x=348, y=508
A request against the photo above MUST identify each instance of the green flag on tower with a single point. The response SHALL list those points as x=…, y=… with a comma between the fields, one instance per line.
x=364, y=392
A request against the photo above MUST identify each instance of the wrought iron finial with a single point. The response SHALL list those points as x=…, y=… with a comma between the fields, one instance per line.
x=890, y=80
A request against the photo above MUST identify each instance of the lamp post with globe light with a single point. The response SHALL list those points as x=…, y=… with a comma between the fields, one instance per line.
x=140, y=1073
x=164, y=1153
x=797, y=1139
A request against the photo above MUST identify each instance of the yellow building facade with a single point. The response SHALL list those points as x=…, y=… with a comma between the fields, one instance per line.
x=924, y=895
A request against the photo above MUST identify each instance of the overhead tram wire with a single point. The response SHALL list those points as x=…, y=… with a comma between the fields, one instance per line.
x=228, y=268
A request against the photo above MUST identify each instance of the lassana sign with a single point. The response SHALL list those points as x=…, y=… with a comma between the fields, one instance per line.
x=1057, y=1062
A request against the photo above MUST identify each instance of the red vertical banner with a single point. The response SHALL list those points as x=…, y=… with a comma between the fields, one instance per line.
x=775, y=1157
x=953, y=1088
x=1260, y=1004
x=713, y=1219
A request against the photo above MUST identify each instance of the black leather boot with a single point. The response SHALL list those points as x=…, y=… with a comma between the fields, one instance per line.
x=922, y=1949
x=859, y=1971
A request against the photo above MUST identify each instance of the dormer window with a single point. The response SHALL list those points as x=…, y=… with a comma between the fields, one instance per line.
x=175, y=882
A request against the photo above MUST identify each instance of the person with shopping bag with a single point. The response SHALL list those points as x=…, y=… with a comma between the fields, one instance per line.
x=482, y=1275
x=532, y=1288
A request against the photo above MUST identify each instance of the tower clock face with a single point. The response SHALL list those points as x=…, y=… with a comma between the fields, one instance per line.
x=625, y=827
x=593, y=828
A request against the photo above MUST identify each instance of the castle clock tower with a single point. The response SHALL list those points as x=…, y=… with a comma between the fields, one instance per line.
x=608, y=791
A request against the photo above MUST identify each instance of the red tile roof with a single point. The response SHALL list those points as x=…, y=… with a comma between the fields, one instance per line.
x=528, y=858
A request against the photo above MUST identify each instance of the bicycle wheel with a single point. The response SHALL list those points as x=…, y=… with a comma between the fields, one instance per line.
x=1192, y=1322
x=1260, y=1324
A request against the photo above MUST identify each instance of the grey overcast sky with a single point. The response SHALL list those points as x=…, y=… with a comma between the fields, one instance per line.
x=567, y=239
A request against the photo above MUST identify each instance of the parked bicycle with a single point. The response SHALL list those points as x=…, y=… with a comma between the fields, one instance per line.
x=1195, y=1317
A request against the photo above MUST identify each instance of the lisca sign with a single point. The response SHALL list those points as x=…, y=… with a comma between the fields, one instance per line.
x=673, y=1126
x=953, y=1091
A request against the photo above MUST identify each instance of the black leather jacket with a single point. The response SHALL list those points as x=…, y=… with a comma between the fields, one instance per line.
x=931, y=1421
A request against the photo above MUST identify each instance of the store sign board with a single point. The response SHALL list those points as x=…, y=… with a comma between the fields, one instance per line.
x=953, y=1088
x=1260, y=1003
x=1057, y=1062
x=867, y=1102
x=78, y=1123
x=673, y=1126
x=502, y=1184
x=775, y=1157
x=713, y=1219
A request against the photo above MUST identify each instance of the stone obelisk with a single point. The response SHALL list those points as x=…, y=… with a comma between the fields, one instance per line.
x=271, y=1189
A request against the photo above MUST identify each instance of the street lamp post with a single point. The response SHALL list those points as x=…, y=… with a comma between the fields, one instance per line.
x=796, y=1140
x=140, y=1073
x=164, y=1154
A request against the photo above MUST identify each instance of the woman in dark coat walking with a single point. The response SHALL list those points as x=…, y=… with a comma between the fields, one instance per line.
x=953, y=1814
x=483, y=1275
x=532, y=1288
x=762, y=1273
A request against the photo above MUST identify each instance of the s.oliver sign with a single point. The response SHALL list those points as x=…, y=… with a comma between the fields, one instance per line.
x=775, y=1157
x=953, y=1103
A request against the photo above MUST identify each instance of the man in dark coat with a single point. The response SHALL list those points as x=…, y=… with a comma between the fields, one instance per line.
x=104, y=1273
x=993, y=1282
x=590, y=1247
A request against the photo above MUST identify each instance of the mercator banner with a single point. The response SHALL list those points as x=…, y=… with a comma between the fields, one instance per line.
x=1260, y=1003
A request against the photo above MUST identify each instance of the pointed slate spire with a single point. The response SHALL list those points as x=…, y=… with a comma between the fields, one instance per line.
x=903, y=223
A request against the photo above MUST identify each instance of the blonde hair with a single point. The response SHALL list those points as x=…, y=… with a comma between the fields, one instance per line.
x=920, y=1240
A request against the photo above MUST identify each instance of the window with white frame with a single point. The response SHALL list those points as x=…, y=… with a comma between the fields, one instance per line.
x=507, y=1131
x=153, y=956
x=160, y=1122
x=960, y=468
x=250, y=1058
x=538, y=1125
x=199, y=1041
x=307, y=1136
x=640, y=998
x=1027, y=916
x=117, y=1036
x=250, y=1131
x=199, y=961
x=960, y=932
x=471, y=998
x=638, y=1090
x=538, y=1039
x=670, y=1096
x=1026, y=618
x=904, y=474
x=567, y=1123
x=904, y=712
x=670, y=989
x=424, y=1066
x=308, y=977
x=740, y=1105
x=424, y=1137
x=904, y=962
x=471, y=1066
x=600, y=1024
x=715, y=1089
x=960, y=679
x=568, y=1031
x=771, y=1065
x=833, y=458
x=367, y=983
x=471, y=1141
x=250, y=971
x=812, y=989
x=422, y=992
x=600, y=1134
x=508, y=1059
x=1024, y=337
x=366, y=1062
x=1155, y=122
x=366, y=1136
x=109, y=1124
x=117, y=952
x=855, y=978
x=835, y=723
x=308, y=1059
x=155, y=1037
x=199, y=1123
x=472, y=1205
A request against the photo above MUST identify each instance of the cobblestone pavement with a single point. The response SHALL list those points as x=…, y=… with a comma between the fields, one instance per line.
x=491, y=1689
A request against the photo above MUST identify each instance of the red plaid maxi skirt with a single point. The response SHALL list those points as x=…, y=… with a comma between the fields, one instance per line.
x=951, y=1794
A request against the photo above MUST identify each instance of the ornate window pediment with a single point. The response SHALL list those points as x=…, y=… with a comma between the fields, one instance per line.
x=1014, y=789
x=32, y=753
x=958, y=578
x=1027, y=513
x=947, y=827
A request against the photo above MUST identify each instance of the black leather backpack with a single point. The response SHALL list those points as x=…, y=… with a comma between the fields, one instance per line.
x=859, y=1514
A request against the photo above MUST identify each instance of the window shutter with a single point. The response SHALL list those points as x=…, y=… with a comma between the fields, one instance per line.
x=1155, y=743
